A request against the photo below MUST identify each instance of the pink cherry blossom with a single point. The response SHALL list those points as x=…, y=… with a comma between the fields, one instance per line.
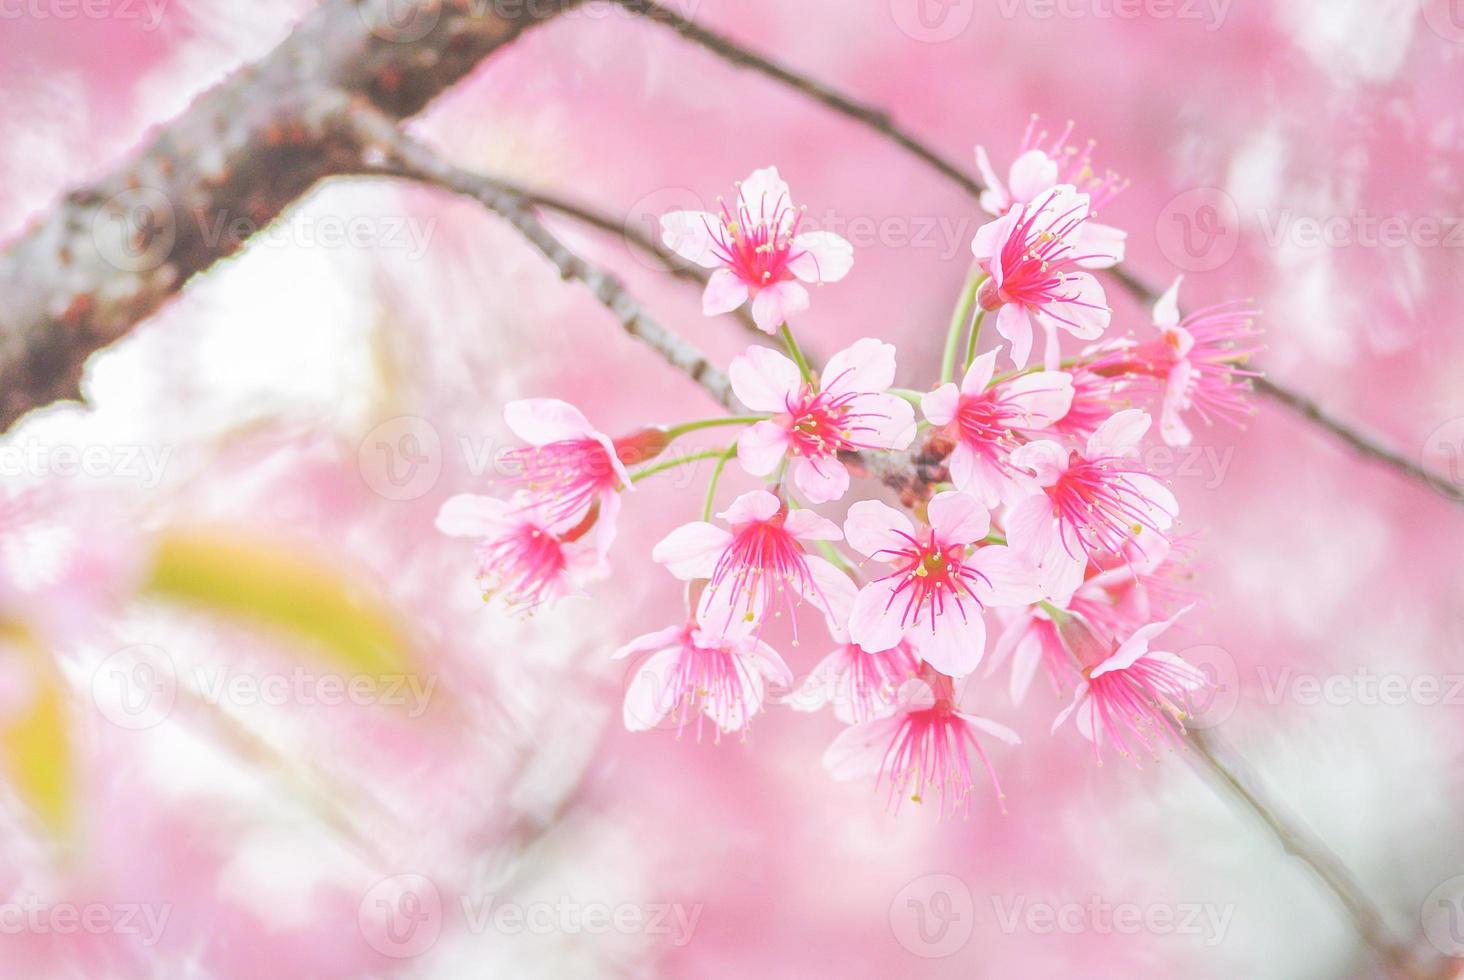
x=758, y=565
x=846, y=410
x=1095, y=398
x=525, y=557
x=924, y=747
x=1035, y=257
x=1134, y=696
x=985, y=423
x=757, y=251
x=694, y=672
x=938, y=580
x=1044, y=162
x=569, y=465
x=859, y=684
x=1092, y=503
x=1196, y=362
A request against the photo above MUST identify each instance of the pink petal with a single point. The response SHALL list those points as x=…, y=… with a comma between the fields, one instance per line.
x=1176, y=400
x=651, y=693
x=724, y=293
x=1044, y=459
x=821, y=256
x=755, y=505
x=1102, y=246
x=689, y=235
x=979, y=374
x=939, y=406
x=764, y=193
x=958, y=642
x=990, y=237
x=764, y=380
x=859, y=750
x=996, y=730
x=958, y=518
x=659, y=640
x=1137, y=645
x=1082, y=311
x=540, y=421
x=1011, y=577
x=1119, y=434
x=873, y=527
x=691, y=551
x=1044, y=397
x=761, y=447
x=808, y=525
x=874, y=623
x=1032, y=173
x=889, y=419
x=775, y=305
x=1015, y=324
x=1166, y=308
x=867, y=365
x=834, y=592
x=822, y=481
x=994, y=198
x=470, y=516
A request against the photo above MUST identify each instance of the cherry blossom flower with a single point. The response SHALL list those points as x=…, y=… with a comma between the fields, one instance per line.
x=525, y=557
x=692, y=672
x=1036, y=256
x=1043, y=163
x=847, y=410
x=1092, y=503
x=859, y=684
x=758, y=565
x=569, y=466
x=938, y=581
x=1132, y=696
x=924, y=747
x=757, y=251
x=984, y=422
x=1095, y=398
x=1197, y=362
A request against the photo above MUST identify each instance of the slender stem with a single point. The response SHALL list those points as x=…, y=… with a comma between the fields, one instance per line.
x=959, y=318
x=676, y=431
x=975, y=336
x=711, y=503
x=786, y=333
x=675, y=461
x=913, y=397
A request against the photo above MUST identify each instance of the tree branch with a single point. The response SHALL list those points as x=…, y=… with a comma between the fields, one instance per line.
x=880, y=122
x=111, y=253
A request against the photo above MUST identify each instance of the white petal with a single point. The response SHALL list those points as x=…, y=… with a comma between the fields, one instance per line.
x=659, y=640
x=822, y=481
x=994, y=198
x=764, y=380
x=821, y=256
x=873, y=528
x=867, y=365
x=958, y=518
x=471, y=516
x=958, y=642
x=761, y=447
x=833, y=592
x=1119, y=433
x=886, y=422
x=1099, y=246
x=1043, y=397
x=775, y=305
x=1010, y=577
x=1081, y=311
x=875, y=623
x=764, y=194
x=1032, y=173
x=724, y=293
x=651, y=694
x=691, y=551
x=979, y=374
x=692, y=235
x=755, y=505
x=807, y=525
x=1015, y=324
x=1044, y=459
x=540, y=421
x=1166, y=308
x=859, y=750
x=939, y=406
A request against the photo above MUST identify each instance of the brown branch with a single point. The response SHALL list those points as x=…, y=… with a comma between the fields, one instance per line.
x=111, y=253
x=880, y=122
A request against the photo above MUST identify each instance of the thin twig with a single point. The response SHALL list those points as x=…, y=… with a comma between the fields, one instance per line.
x=880, y=121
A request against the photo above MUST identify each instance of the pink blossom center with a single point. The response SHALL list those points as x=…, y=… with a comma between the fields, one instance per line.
x=570, y=474
x=758, y=248
x=708, y=679
x=524, y=565
x=1097, y=502
x=764, y=566
x=933, y=579
x=821, y=424
x=929, y=754
x=1145, y=703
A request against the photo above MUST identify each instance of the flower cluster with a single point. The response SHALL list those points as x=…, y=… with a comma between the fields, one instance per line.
x=1036, y=529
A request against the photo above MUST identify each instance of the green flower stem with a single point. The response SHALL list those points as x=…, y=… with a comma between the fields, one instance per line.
x=959, y=318
x=975, y=335
x=671, y=464
x=726, y=454
x=685, y=427
x=794, y=352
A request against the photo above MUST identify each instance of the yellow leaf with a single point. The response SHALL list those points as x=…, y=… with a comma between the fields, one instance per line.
x=280, y=585
x=34, y=739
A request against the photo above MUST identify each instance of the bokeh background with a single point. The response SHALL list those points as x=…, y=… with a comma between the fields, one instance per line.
x=317, y=398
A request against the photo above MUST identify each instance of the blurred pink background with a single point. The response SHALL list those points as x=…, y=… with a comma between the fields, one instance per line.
x=266, y=390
